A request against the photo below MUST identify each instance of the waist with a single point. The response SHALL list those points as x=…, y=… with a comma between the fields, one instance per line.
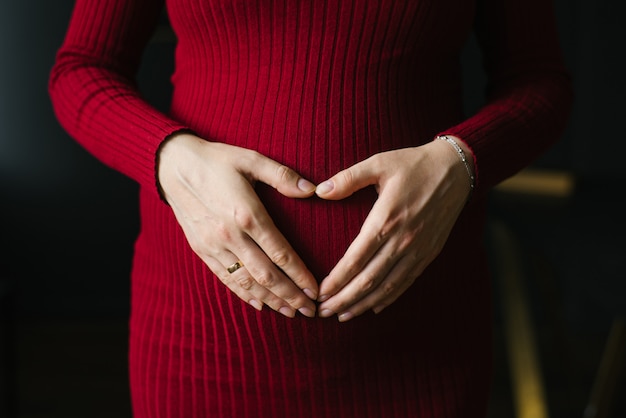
x=321, y=133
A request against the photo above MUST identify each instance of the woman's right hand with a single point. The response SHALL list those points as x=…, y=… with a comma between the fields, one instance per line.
x=210, y=188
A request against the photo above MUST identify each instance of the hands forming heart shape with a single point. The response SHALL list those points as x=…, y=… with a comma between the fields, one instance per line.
x=421, y=192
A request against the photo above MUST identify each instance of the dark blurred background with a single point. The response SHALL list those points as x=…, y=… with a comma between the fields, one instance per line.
x=63, y=323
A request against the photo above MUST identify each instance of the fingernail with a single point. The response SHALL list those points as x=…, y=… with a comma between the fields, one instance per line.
x=288, y=312
x=307, y=312
x=256, y=304
x=305, y=185
x=378, y=309
x=309, y=293
x=325, y=313
x=346, y=316
x=325, y=187
x=323, y=298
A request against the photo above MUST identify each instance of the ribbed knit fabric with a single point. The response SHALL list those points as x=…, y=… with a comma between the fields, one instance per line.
x=317, y=85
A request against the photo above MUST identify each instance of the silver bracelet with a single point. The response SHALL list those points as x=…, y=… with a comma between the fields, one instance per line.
x=459, y=151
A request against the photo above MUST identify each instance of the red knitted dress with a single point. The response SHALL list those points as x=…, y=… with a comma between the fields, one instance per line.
x=317, y=85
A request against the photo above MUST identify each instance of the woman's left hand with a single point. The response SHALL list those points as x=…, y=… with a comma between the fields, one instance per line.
x=421, y=192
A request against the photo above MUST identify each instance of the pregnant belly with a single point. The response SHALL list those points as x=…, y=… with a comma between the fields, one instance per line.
x=320, y=231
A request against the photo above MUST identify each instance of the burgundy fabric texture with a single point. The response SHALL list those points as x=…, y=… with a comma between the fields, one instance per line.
x=318, y=86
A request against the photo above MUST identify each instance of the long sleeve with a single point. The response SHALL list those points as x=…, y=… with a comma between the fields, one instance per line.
x=92, y=87
x=529, y=93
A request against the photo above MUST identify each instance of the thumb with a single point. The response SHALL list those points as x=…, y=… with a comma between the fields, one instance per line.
x=348, y=181
x=282, y=178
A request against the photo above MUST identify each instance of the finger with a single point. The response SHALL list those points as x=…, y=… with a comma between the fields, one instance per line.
x=276, y=248
x=225, y=277
x=252, y=229
x=363, y=283
x=348, y=181
x=371, y=238
x=284, y=179
x=270, y=277
x=399, y=279
x=241, y=282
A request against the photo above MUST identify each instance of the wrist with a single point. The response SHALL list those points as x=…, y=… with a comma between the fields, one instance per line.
x=467, y=152
x=175, y=147
x=175, y=142
x=464, y=157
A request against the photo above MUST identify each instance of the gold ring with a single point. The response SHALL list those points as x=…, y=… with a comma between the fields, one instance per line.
x=234, y=267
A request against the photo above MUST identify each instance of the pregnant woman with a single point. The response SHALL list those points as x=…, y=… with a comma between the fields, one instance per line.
x=312, y=204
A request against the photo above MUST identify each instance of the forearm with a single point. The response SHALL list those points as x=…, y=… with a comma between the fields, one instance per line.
x=93, y=92
x=529, y=91
x=109, y=119
x=511, y=131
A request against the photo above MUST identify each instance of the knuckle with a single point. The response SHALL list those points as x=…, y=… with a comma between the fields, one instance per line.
x=223, y=233
x=367, y=283
x=388, y=289
x=380, y=230
x=294, y=301
x=266, y=279
x=284, y=173
x=352, y=267
x=244, y=219
x=245, y=282
x=405, y=242
x=347, y=176
x=391, y=225
x=280, y=258
x=381, y=236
